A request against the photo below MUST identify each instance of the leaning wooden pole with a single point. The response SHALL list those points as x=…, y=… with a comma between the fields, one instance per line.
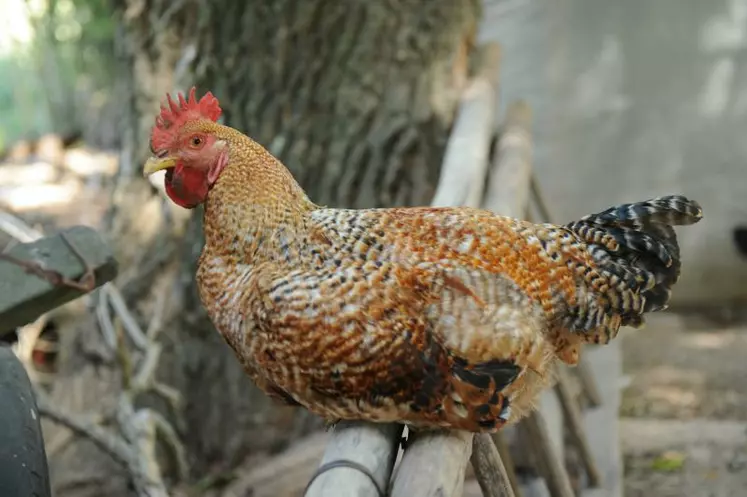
x=490, y=470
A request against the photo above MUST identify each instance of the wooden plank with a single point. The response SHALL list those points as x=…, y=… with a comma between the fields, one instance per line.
x=366, y=444
x=503, y=451
x=24, y=296
x=433, y=465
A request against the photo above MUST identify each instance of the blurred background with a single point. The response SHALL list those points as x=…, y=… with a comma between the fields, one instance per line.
x=630, y=100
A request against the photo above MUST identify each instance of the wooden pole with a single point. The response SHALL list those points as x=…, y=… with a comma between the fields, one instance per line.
x=546, y=455
x=574, y=423
x=508, y=462
x=357, y=461
x=489, y=468
x=433, y=465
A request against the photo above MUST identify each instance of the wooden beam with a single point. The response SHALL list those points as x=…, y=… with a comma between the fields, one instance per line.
x=24, y=296
x=508, y=184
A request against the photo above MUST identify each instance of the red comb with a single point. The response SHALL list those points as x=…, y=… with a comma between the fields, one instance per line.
x=176, y=114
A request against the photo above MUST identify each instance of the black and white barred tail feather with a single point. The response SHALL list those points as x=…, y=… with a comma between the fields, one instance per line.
x=636, y=247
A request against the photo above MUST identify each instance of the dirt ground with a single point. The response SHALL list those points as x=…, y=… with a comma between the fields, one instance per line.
x=684, y=409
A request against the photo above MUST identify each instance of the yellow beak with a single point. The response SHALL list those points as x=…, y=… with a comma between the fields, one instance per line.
x=154, y=164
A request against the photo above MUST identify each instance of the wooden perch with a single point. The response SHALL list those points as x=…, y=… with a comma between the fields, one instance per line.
x=24, y=296
x=367, y=445
x=508, y=185
x=433, y=465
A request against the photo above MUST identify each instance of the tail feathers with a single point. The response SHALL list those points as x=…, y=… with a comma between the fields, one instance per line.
x=672, y=210
x=636, y=246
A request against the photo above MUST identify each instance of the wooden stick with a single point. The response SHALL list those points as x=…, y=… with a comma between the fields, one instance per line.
x=466, y=158
x=544, y=451
x=588, y=383
x=539, y=200
x=574, y=423
x=370, y=447
x=433, y=465
x=489, y=469
x=508, y=462
x=508, y=185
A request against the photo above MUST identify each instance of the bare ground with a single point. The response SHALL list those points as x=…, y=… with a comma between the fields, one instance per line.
x=684, y=427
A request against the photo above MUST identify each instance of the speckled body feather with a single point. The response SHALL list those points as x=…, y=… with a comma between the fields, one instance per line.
x=447, y=317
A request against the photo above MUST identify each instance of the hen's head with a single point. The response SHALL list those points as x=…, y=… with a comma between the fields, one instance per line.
x=186, y=144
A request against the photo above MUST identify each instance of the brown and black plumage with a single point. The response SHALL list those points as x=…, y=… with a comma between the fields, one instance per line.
x=449, y=317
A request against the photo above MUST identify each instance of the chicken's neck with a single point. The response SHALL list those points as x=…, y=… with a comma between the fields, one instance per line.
x=256, y=212
x=254, y=208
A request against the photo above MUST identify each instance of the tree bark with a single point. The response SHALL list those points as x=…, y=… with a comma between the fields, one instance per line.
x=357, y=98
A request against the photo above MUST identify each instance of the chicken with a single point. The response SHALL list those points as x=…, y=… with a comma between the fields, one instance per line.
x=435, y=317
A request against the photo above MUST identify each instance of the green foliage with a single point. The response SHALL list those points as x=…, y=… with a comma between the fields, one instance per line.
x=669, y=461
x=20, y=114
x=69, y=61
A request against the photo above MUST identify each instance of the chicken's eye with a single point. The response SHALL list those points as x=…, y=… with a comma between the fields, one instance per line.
x=195, y=141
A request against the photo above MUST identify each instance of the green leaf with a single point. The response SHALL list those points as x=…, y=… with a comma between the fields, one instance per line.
x=669, y=461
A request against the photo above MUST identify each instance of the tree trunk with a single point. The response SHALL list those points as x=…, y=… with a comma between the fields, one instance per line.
x=357, y=98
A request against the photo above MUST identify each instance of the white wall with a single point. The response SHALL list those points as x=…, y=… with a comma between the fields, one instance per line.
x=634, y=99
